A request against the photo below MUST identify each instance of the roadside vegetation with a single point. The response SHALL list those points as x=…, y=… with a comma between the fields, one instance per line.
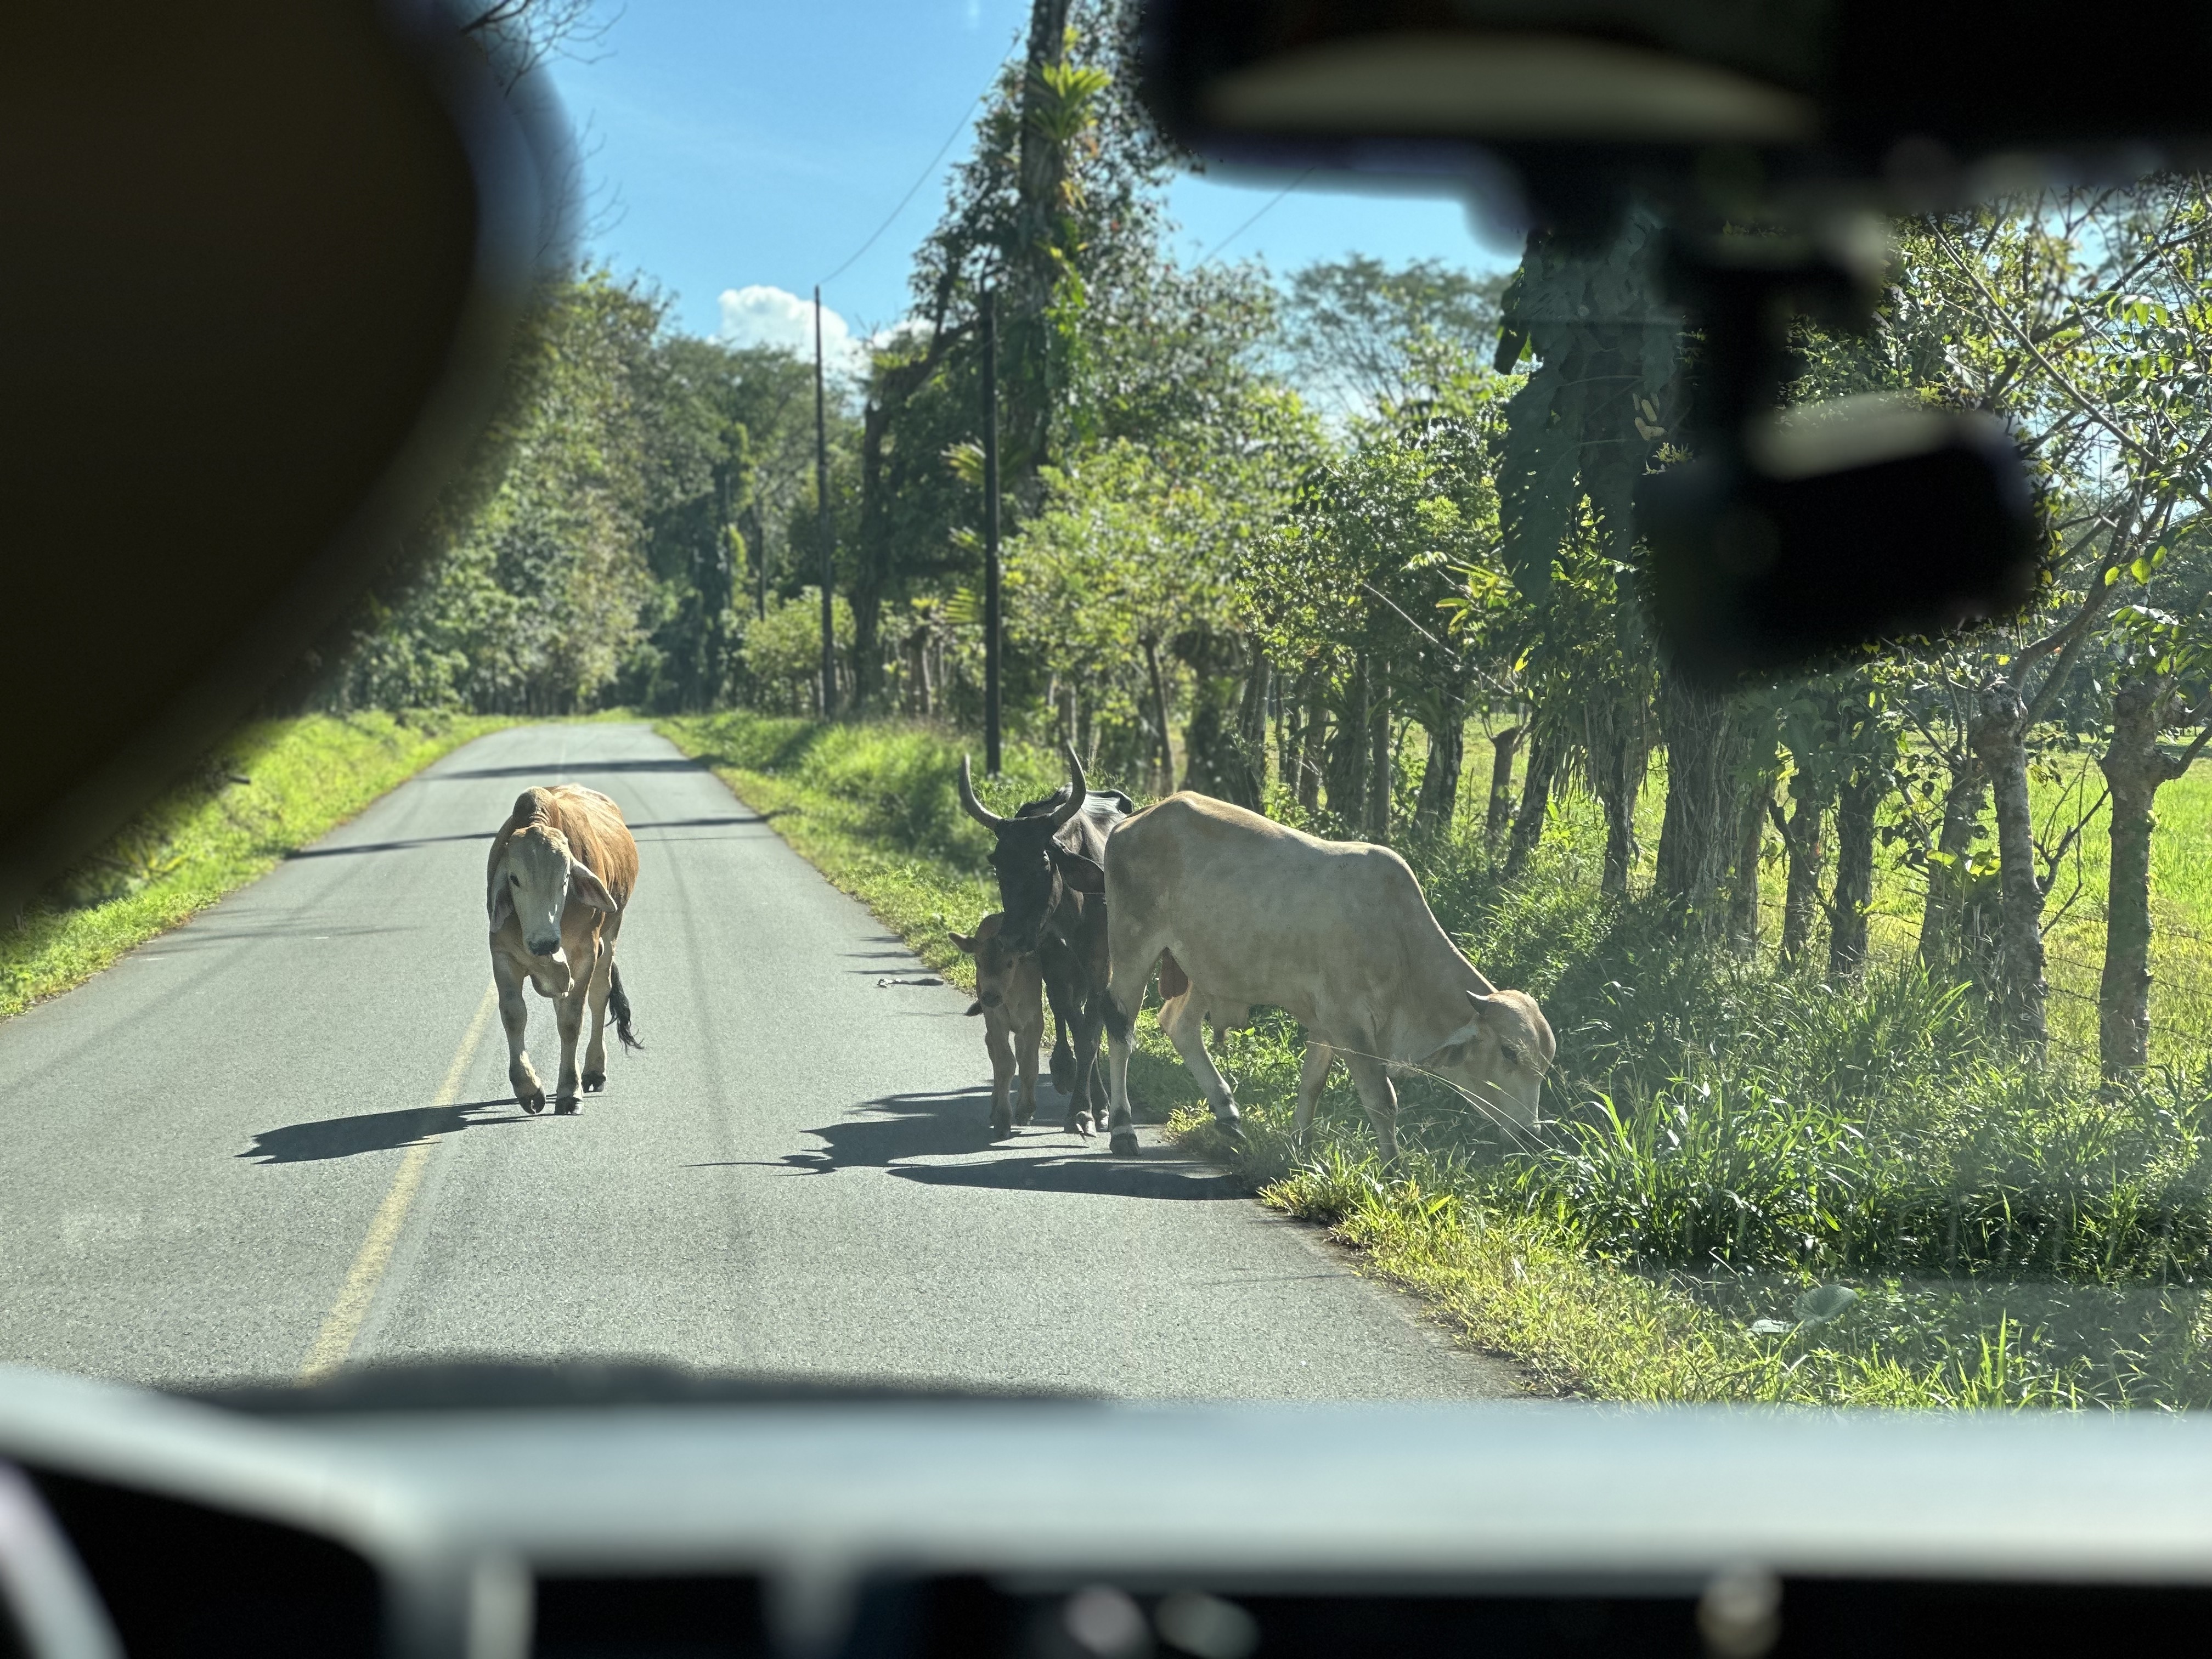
x=1882, y=993
x=1758, y=1184
x=274, y=786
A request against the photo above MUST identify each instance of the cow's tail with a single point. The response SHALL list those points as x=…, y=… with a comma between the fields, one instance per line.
x=618, y=1004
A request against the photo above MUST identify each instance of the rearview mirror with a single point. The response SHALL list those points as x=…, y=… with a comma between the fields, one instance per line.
x=1577, y=96
x=1848, y=524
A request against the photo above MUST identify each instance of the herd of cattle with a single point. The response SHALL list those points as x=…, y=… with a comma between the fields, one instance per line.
x=1234, y=910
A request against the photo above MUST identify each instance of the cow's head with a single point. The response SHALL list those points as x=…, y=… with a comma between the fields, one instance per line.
x=1031, y=865
x=996, y=962
x=533, y=879
x=1501, y=1054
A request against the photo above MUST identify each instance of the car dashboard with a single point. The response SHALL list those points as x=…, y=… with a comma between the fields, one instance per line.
x=872, y=1523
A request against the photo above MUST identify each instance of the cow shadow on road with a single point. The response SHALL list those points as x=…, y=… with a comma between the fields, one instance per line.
x=373, y=1132
x=892, y=1131
x=570, y=769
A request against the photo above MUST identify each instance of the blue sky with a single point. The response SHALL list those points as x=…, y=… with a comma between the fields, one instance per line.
x=749, y=149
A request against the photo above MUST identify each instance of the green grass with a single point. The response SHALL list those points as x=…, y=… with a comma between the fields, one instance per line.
x=1734, y=1147
x=1730, y=1137
x=273, y=787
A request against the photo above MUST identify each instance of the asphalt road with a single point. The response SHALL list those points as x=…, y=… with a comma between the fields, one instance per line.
x=278, y=1139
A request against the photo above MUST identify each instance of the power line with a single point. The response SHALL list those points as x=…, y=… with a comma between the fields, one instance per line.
x=1271, y=205
x=912, y=189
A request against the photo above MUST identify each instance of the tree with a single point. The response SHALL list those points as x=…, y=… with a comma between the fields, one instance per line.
x=1352, y=327
x=2162, y=684
x=1602, y=394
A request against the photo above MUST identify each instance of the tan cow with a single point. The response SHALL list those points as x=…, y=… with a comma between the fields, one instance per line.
x=1335, y=933
x=1009, y=995
x=562, y=869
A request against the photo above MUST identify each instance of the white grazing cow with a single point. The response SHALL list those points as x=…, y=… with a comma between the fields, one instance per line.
x=1336, y=934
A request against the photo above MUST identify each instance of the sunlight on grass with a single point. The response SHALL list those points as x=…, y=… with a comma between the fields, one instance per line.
x=274, y=786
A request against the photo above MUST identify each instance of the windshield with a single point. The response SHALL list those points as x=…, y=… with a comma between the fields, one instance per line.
x=1072, y=788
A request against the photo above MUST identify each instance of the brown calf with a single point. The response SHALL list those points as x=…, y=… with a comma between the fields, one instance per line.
x=1009, y=995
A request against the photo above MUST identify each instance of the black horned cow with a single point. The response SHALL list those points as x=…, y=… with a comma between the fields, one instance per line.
x=1051, y=886
x=562, y=869
x=1336, y=934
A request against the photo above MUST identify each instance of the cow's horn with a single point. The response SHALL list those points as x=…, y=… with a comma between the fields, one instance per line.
x=1079, y=791
x=982, y=814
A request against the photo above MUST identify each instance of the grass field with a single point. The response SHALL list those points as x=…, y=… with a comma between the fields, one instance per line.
x=275, y=786
x=1757, y=1185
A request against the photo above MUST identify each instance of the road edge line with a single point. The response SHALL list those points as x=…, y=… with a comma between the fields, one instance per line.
x=341, y=1325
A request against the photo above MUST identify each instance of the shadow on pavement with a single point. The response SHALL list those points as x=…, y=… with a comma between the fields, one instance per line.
x=432, y=841
x=373, y=1132
x=885, y=1133
x=383, y=846
x=562, y=772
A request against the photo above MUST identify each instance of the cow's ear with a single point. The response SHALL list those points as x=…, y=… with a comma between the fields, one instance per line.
x=1076, y=871
x=500, y=901
x=583, y=885
x=967, y=943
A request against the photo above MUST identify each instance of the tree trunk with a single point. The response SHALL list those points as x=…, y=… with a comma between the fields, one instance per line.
x=1743, y=873
x=2000, y=738
x=1698, y=833
x=1439, y=799
x=1535, y=803
x=1289, y=730
x=1941, y=949
x=1216, y=760
x=1382, y=788
x=1855, y=803
x=1503, y=748
x=2135, y=769
x=1312, y=751
x=1617, y=774
x=1040, y=176
x=1347, y=752
x=1160, y=716
x=1801, y=836
x=1252, y=731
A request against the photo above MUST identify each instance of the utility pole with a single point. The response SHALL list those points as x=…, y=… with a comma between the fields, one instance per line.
x=822, y=501
x=990, y=533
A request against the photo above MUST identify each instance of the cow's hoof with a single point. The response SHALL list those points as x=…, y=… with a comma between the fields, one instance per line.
x=1125, y=1143
x=594, y=1081
x=532, y=1105
x=1025, y=1114
x=1233, y=1127
x=565, y=1106
x=1001, y=1125
x=1077, y=1125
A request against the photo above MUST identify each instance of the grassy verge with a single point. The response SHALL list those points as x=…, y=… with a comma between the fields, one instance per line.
x=275, y=786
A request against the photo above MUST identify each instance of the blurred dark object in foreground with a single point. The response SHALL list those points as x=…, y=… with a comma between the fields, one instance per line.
x=270, y=260
x=1785, y=544
x=1851, y=528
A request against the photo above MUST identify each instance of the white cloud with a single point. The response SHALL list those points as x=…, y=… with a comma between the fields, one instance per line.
x=908, y=330
x=764, y=316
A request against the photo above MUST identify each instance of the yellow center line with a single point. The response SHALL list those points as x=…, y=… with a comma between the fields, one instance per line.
x=342, y=1324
